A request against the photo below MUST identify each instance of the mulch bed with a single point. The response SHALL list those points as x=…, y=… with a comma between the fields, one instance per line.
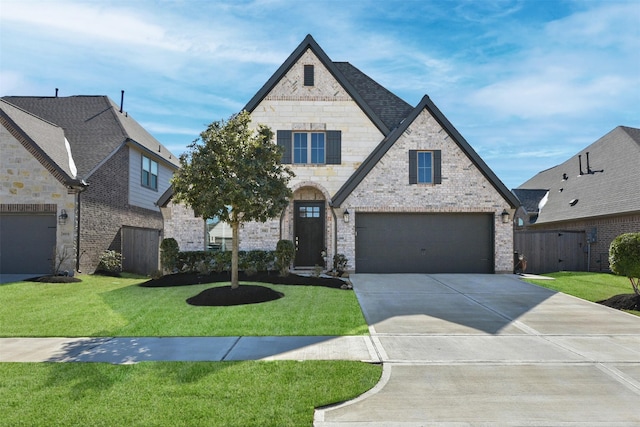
x=184, y=279
x=54, y=279
x=243, y=294
x=623, y=302
x=224, y=296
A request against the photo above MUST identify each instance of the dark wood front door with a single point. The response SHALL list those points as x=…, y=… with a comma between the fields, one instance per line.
x=309, y=233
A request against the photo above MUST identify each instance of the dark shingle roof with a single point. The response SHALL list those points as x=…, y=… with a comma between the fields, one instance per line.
x=44, y=139
x=94, y=127
x=610, y=189
x=387, y=106
x=530, y=199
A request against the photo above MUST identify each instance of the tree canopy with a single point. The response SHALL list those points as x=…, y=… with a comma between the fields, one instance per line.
x=233, y=172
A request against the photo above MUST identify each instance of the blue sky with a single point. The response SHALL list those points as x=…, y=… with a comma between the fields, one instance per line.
x=527, y=83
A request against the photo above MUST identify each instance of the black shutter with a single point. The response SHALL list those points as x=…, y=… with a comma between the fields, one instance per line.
x=284, y=140
x=308, y=75
x=437, y=166
x=334, y=147
x=413, y=166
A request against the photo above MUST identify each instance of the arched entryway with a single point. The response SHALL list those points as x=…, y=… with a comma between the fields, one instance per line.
x=309, y=225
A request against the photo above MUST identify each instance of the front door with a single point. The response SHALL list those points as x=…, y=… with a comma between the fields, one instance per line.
x=309, y=233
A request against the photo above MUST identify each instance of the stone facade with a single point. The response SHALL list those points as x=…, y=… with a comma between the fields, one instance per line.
x=181, y=224
x=27, y=187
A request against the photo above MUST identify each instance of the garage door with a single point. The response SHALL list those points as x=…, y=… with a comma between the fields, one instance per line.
x=26, y=243
x=424, y=243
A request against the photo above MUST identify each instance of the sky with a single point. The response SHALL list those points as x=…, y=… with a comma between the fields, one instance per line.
x=528, y=83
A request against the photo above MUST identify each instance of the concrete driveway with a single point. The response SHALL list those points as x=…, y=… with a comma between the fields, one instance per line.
x=492, y=350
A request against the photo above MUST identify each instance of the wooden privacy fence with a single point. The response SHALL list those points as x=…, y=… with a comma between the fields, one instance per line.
x=549, y=251
x=140, y=247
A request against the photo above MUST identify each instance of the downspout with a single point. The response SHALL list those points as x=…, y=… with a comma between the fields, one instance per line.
x=78, y=233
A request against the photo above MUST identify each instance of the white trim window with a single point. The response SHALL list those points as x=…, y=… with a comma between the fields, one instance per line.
x=149, y=173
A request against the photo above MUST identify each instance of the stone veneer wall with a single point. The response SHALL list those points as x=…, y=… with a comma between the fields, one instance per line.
x=181, y=224
x=26, y=186
x=463, y=189
x=607, y=229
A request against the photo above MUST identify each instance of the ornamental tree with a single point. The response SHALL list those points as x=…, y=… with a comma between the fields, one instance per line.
x=233, y=173
x=624, y=258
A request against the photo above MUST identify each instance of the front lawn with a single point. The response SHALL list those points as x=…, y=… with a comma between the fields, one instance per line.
x=589, y=286
x=109, y=306
x=178, y=393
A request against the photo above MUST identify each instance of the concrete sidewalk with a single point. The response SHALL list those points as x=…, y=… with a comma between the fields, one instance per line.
x=145, y=349
x=492, y=350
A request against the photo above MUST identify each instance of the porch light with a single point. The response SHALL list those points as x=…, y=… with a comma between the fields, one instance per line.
x=345, y=215
x=62, y=218
x=505, y=216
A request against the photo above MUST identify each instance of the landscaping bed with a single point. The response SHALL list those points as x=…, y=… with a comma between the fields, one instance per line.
x=623, y=302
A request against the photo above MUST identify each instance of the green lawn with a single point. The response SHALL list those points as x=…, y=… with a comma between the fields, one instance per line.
x=178, y=393
x=108, y=306
x=589, y=286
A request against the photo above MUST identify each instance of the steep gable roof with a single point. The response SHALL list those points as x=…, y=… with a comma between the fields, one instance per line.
x=94, y=127
x=382, y=107
x=390, y=139
x=530, y=198
x=44, y=140
x=608, y=184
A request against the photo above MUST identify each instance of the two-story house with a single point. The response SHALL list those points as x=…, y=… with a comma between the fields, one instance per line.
x=80, y=174
x=395, y=188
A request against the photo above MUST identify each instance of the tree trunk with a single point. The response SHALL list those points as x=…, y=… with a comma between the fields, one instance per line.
x=235, y=227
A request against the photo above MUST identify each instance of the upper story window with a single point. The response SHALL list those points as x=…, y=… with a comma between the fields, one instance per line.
x=149, y=173
x=308, y=147
x=425, y=167
x=308, y=75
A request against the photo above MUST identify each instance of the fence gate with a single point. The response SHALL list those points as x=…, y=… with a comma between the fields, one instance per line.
x=140, y=247
x=549, y=251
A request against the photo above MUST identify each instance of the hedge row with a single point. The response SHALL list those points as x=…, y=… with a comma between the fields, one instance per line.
x=206, y=262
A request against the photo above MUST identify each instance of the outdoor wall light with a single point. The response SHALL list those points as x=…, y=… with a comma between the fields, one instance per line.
x=62, y=218
x=345, y=215
x=505, y=216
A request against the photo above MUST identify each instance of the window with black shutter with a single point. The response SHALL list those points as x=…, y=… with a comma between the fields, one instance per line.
x=425, y=167
x=310, y=147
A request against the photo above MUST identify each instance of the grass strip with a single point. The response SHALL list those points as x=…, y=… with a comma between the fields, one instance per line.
x=588, y=286
x=108, y=306
x=282, y=393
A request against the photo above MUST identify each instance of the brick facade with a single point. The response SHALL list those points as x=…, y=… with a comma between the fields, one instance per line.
x=181, y=224
x=104, y=209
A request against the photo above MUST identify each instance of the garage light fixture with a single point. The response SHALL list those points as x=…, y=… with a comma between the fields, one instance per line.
x=62, y=218
x=505, y=216
x=345, y=215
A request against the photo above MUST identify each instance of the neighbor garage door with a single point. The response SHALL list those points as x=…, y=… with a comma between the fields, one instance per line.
x=424, y=243
x=27, y=243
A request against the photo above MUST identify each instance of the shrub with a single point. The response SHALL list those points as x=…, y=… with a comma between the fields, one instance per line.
x=169, y=251
x=110, y=261
x=340, y=263
x=624, y=258
x=285, y=251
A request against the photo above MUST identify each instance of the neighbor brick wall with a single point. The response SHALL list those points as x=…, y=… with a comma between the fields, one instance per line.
x=105, y=209
x=181, y=224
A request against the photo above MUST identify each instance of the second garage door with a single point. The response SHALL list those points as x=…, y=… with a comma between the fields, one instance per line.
x=424, y=243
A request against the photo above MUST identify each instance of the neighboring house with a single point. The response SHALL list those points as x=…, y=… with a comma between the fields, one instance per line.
x=120, y=171
x=394, y=188
x=586, y=201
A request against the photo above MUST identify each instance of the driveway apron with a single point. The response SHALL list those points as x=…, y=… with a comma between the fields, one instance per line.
x=492, y=350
